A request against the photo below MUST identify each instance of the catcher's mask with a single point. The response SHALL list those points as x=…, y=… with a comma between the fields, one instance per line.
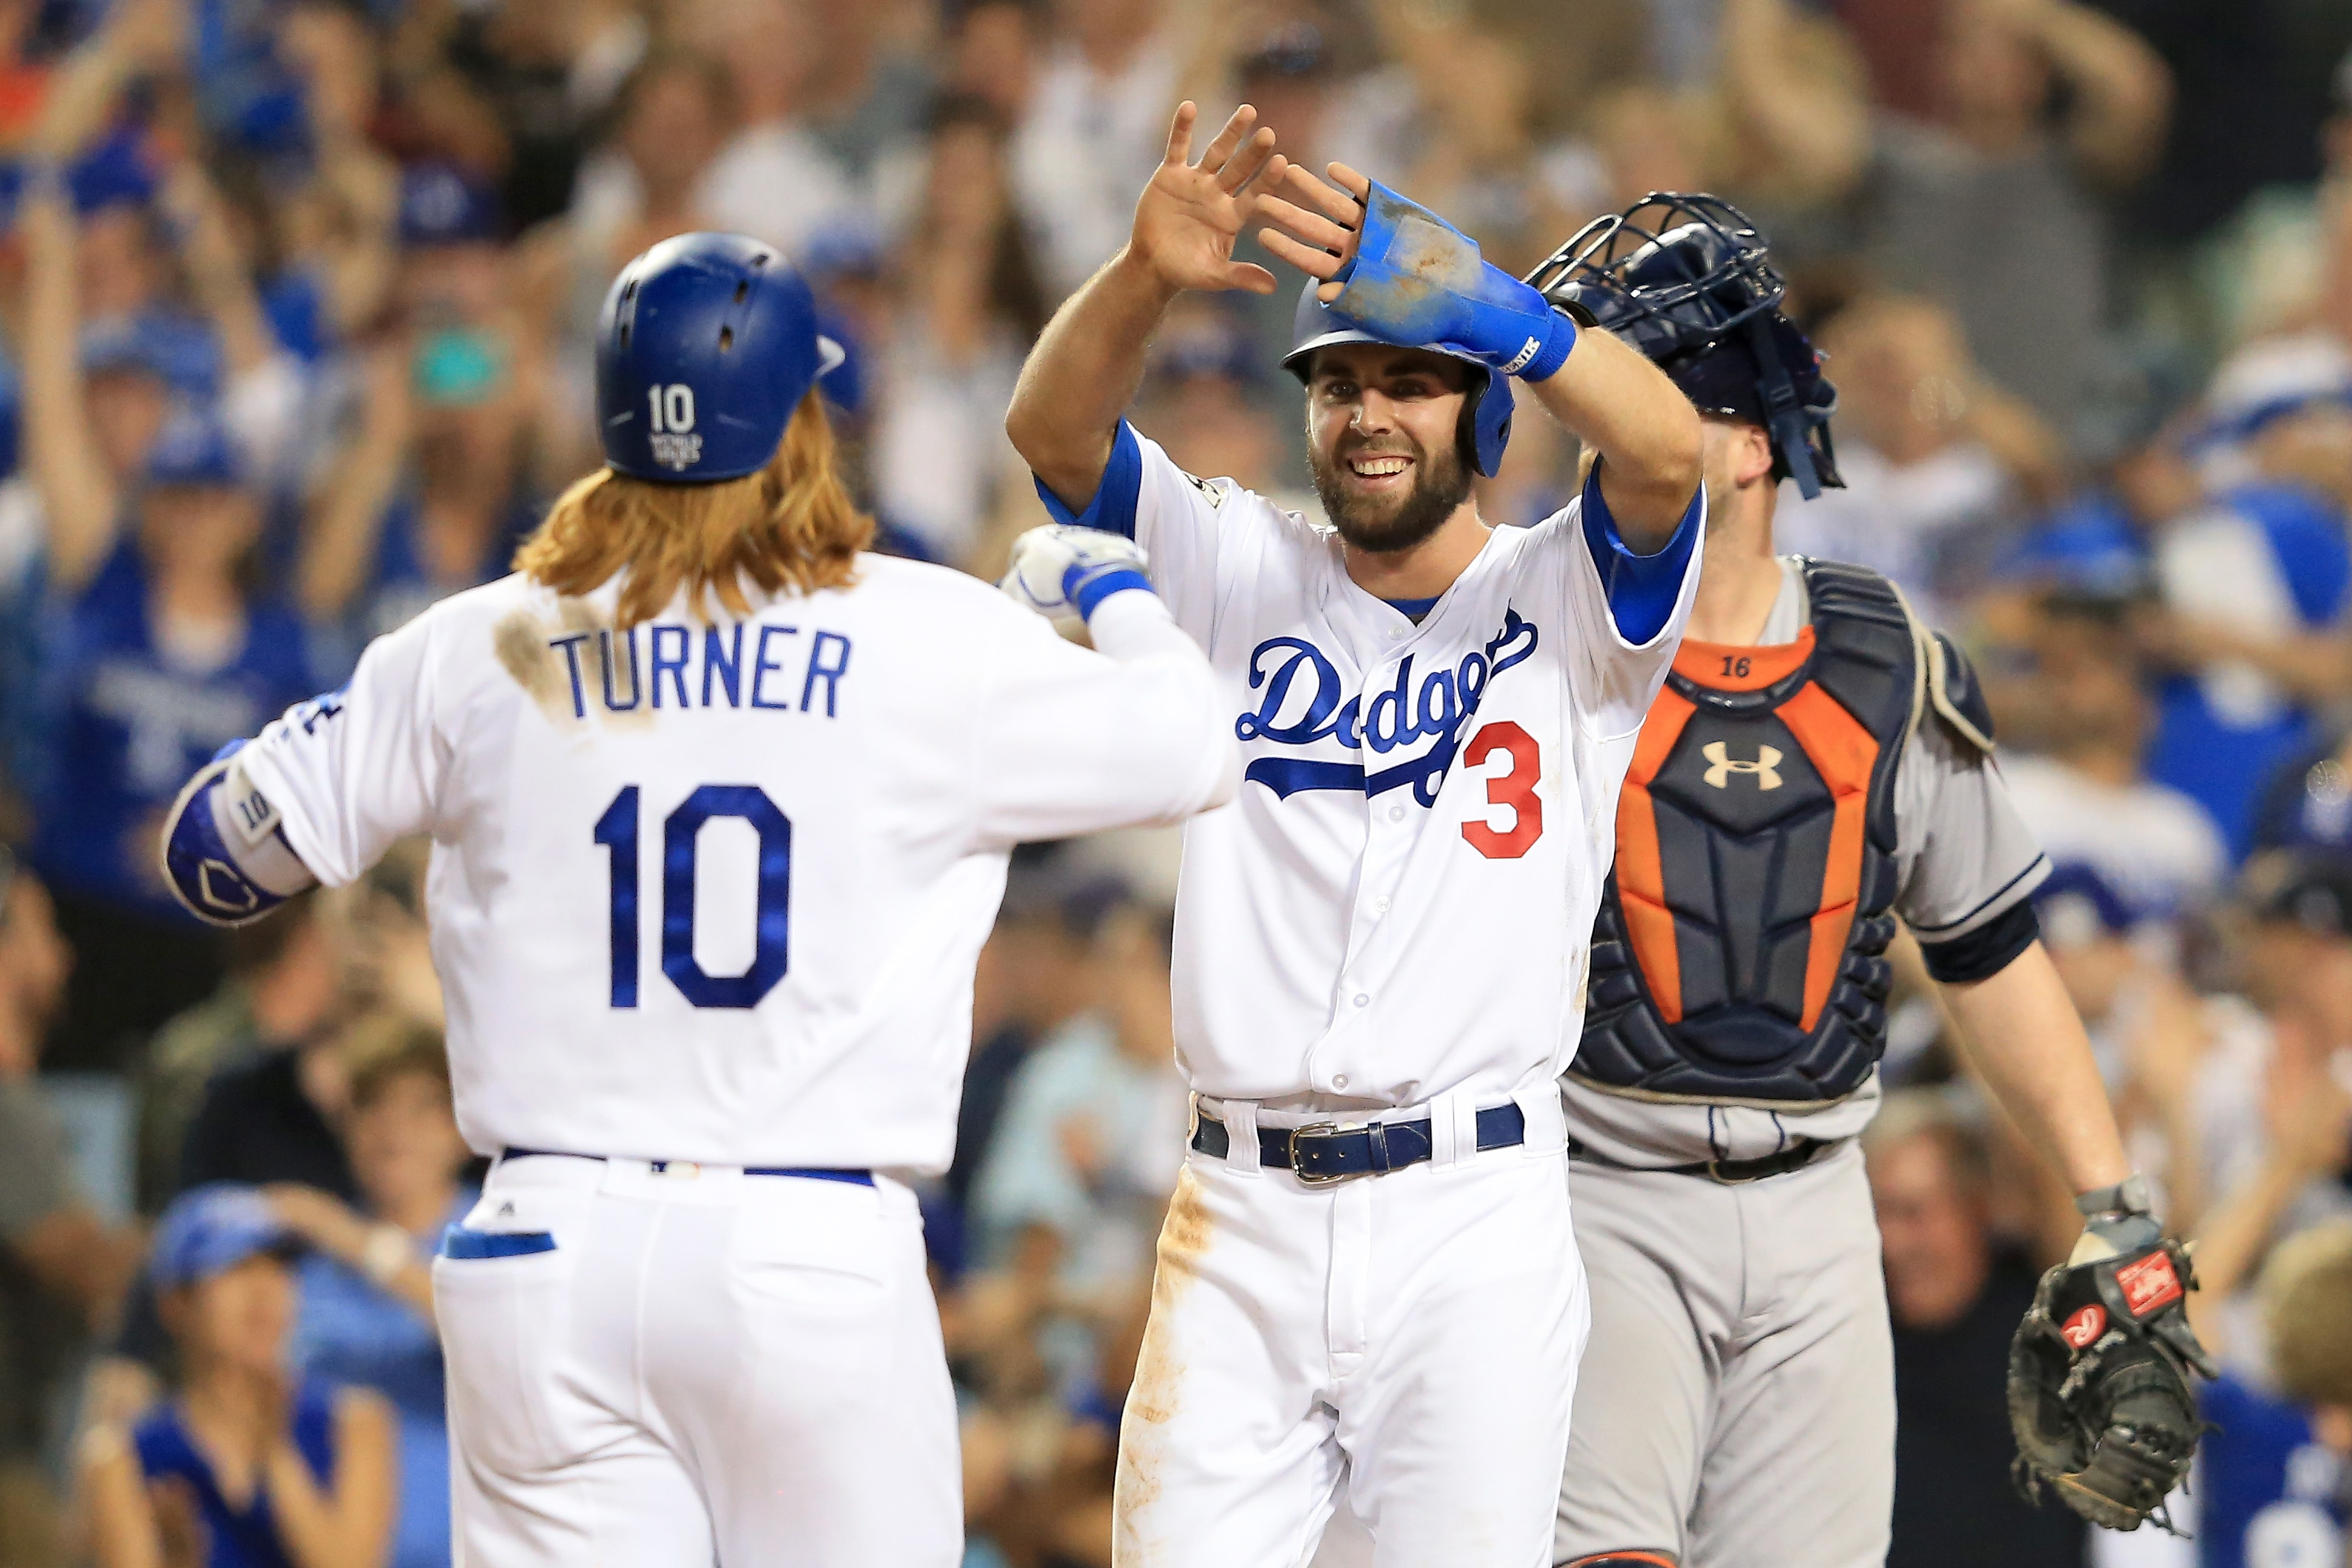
x=1684, y=279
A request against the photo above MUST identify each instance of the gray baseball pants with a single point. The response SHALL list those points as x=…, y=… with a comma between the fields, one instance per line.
x=1736, y=1407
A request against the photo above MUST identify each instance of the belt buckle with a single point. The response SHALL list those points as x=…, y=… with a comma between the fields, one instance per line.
x=1306, y=1178
x=1804, y=1151
x=1715, y=1174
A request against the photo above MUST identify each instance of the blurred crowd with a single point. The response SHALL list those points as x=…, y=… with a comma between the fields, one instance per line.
x=296, y=301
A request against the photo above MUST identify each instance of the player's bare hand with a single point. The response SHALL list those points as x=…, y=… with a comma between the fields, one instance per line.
x=1316, y=231
x=1190, y=215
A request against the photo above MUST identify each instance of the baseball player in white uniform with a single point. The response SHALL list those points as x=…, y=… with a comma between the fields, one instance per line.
x=721, y=809
x=1367, y=1284
x=1818, y=764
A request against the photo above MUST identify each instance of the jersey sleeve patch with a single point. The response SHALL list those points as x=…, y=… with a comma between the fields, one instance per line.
x=1642, y=589
x=1112, y=508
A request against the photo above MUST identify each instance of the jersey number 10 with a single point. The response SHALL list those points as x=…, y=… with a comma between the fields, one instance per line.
x=617, y=830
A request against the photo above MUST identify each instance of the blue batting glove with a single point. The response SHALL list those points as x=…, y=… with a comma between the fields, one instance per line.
x=1418, y=280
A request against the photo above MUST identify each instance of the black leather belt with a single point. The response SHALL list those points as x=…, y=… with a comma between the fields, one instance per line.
x=809, y=1173
x=1731, y=1173
x=1324, y=1152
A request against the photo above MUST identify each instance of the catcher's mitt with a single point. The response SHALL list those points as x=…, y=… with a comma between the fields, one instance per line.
x=2098, y=1385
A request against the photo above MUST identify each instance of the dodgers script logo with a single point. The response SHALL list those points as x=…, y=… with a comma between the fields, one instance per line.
x=1303, y=705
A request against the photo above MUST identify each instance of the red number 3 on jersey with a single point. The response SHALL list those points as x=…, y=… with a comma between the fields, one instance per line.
x=1515, y=788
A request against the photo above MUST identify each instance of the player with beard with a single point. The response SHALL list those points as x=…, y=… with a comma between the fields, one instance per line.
x=1368, y=1287
x=1374, y=522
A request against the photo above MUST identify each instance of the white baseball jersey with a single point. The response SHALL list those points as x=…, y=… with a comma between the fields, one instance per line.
x=1397, y=903
x=713, y=892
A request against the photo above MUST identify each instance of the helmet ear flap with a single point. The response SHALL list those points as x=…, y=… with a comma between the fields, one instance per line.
x=1483, y=429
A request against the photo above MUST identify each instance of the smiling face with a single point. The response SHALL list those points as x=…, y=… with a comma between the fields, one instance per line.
x=1383, y=434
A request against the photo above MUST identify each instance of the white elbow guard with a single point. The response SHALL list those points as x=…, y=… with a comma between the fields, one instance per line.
x=224, y=854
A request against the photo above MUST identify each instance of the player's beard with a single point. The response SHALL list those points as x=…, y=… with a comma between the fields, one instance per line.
x=1440, y=484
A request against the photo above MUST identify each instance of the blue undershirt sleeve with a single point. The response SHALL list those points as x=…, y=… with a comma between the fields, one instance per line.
x=1113, y=506
x=1642, y=589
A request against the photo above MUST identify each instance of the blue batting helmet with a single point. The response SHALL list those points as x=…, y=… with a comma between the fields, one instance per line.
x=1684, y=280
x=1485, y=414
x=706, y=344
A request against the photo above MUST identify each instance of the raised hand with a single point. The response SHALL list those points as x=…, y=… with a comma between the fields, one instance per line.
x=1190, y=215
x=1319, y=239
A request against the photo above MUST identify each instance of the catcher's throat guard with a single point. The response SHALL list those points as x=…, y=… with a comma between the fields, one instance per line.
x=2099, y=1396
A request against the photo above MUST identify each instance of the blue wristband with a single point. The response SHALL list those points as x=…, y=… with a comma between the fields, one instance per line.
x=1087, y=586
x=203, y=869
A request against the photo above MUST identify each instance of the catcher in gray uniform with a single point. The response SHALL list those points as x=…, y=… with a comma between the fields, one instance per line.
x=1818, y=765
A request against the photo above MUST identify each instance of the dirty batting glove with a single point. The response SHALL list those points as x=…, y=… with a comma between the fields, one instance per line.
x=1418, y=280
x=1063, y=572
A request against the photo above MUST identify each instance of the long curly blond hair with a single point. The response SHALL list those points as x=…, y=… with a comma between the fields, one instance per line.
x=790, y=526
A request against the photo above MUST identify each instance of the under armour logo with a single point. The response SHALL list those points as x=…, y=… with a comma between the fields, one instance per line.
x=1721, y=766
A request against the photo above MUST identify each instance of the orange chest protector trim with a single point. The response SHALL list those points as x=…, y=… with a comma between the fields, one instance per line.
x=1739, y=954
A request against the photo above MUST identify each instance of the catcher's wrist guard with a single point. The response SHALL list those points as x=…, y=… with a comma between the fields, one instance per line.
x=2099, y=1397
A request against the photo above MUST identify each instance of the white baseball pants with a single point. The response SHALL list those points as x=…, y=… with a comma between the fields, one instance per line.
x=705, y=1366
x=1406, y=1342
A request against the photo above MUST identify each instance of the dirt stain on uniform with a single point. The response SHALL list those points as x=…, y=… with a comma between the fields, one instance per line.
x=1152, y=1399
x=526, y=645
x=520, y=640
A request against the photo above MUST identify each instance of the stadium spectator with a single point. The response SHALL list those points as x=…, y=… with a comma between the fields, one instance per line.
x=323, y=242
x=1037, y=974
x=1207, y=399
x=774, y=179
x=1955, y=1296
x=284, y=988
x=1939, y=463
x=2306, y=1289
x=2253, y=586
x=160, y=656
x=366, y=1285
x=1996, y=212
x=971, y=302
x=159, y=652
x=271, y=1119
x=62, y=1269
x=434, y=492
x=1094, y=1124
x=866, y=103
x=1093, y=130
x=2084, y=796
x=2272, y=1469
x=544, y=73
x=671, y=118
x=242, y=1465
x=1776, y=119
x=992, y=50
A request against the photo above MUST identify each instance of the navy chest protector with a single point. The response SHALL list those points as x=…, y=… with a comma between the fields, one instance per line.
x=1739, y=956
